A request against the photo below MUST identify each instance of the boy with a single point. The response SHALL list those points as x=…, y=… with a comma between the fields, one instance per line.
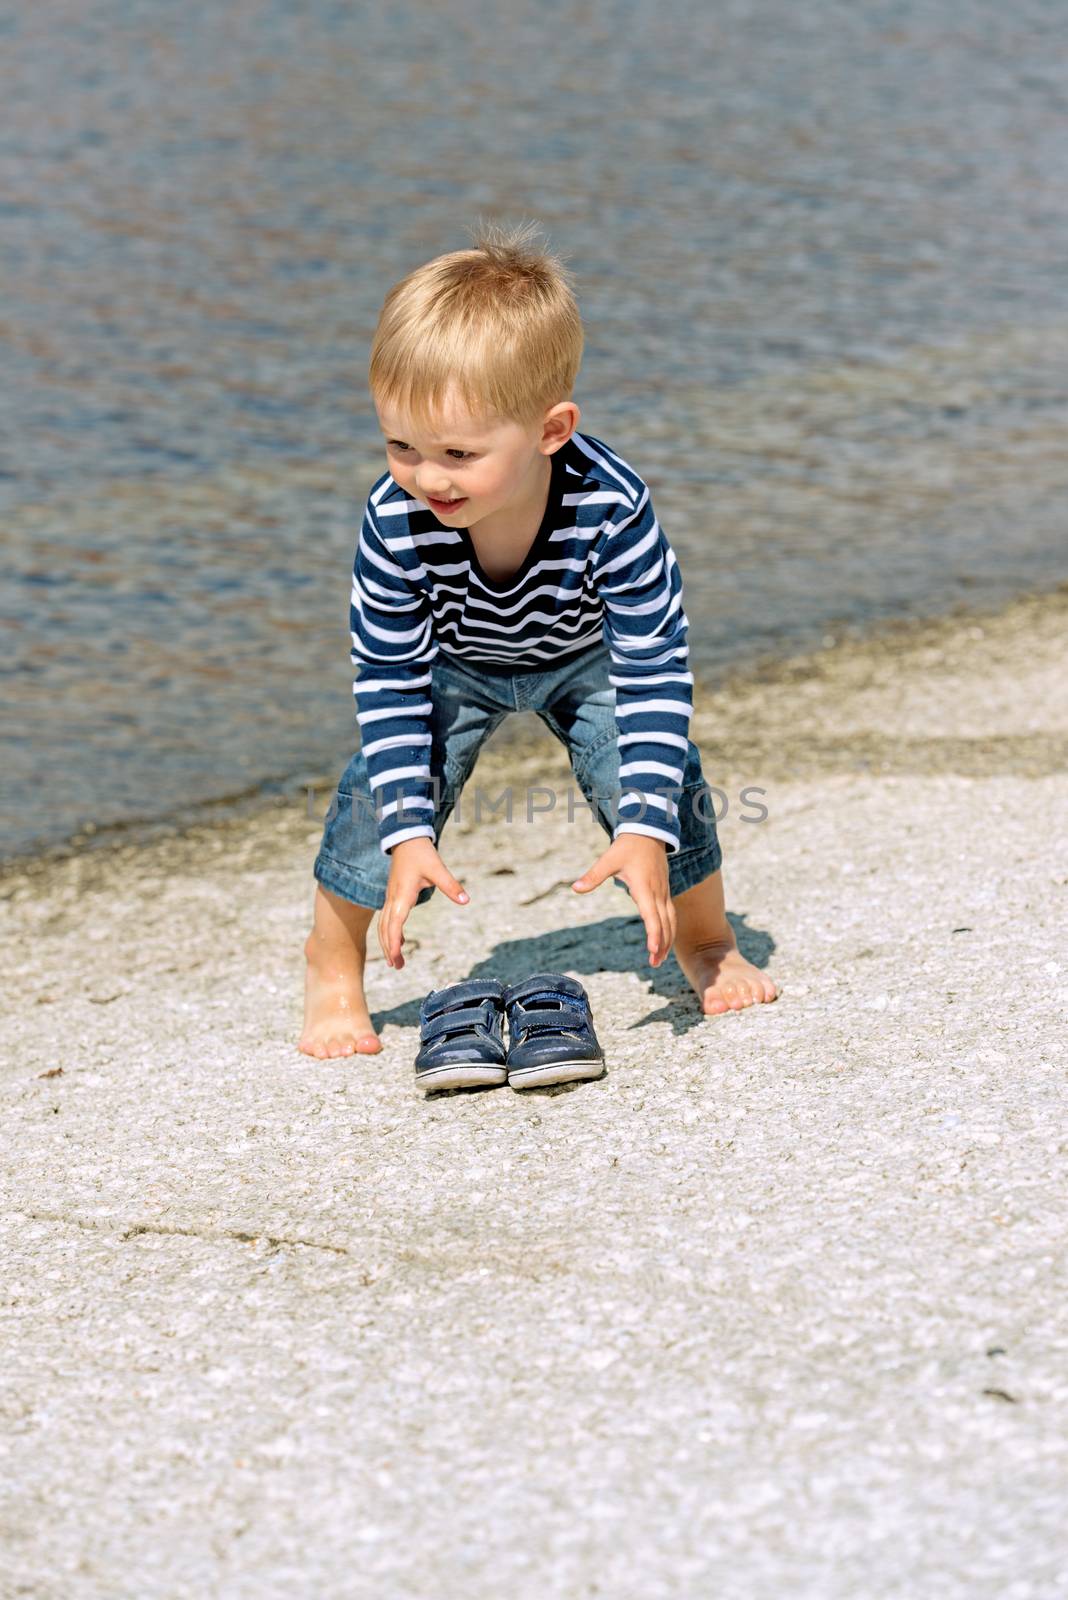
x=507, y=561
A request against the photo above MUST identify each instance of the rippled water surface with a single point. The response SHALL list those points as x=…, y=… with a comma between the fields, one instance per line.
x=820, y=253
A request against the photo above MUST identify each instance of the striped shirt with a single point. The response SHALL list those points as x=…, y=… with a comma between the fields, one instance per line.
x=599, y=569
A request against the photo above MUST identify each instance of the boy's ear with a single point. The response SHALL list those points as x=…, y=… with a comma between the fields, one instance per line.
x=560, y=423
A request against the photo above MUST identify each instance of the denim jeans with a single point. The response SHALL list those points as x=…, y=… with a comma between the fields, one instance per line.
x=577, y=703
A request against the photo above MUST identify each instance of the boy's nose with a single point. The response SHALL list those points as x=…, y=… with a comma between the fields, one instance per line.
x=433, y=491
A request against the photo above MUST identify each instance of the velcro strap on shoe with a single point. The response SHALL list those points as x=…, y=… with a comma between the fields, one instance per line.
x=465, y=1020
x=556, y=984
x=472, y=991
x=543, y=1019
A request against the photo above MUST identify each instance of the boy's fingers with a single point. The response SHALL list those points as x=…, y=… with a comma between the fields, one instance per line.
x=451, y=886
x=672, y=924
x=394, y=913
x=656, y=928
x=385, y=934
x=647, y=912
x=660, y=949
x=593, y=876
x=667, y=933
x=391, y=930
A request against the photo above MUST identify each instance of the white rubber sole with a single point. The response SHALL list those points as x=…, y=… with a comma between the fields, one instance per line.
x=462, y=1075
x=554, y=1072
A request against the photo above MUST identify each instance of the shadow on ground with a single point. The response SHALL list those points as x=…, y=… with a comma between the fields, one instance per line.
x=616, y=944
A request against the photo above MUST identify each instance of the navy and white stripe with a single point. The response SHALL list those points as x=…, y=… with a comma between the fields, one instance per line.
x=600, y=568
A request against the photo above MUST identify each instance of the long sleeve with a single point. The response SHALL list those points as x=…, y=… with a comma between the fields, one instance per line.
x=392, y=648
x=637, y=576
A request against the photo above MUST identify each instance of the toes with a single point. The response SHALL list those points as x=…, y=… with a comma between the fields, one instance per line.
x=748, y=991
x=340, y=1045
x=762, y=990
x=735, y=994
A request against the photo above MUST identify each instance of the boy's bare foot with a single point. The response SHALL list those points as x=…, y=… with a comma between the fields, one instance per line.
x=722, y=978
x=336, y=1019
x=707, y=952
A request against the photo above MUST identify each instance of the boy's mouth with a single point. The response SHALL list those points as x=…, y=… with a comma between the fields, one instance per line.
x=445, y=507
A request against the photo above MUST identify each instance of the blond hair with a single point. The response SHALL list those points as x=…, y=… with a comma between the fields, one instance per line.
x=498, y=322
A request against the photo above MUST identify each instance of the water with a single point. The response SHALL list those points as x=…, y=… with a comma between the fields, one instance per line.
x=820, y=253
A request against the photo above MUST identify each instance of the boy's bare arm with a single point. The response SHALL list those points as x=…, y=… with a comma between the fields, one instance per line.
x=641, y=862
x=414, y=865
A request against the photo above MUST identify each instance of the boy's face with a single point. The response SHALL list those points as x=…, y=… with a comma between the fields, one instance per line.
x=470, y=467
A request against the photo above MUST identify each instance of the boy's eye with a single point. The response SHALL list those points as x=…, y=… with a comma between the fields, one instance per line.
x=462, y=455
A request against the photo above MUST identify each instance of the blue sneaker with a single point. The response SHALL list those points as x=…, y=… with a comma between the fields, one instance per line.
x=550, y=1032
x=461, y=1032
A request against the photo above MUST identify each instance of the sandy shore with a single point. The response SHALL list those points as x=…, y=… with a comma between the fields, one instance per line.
x=775, y=1308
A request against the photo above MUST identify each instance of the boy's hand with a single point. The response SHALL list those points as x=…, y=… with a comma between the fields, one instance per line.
x=641, y=862
x=414, y=865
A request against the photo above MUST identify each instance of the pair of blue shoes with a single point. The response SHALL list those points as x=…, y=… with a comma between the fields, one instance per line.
x=550, y=1034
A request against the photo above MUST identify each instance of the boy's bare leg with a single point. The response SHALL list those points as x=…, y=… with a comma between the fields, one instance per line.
x=707, y=951
x=336, y=1019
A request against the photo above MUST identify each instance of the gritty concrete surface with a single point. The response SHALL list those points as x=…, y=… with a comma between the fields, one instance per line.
x=775, y=1309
